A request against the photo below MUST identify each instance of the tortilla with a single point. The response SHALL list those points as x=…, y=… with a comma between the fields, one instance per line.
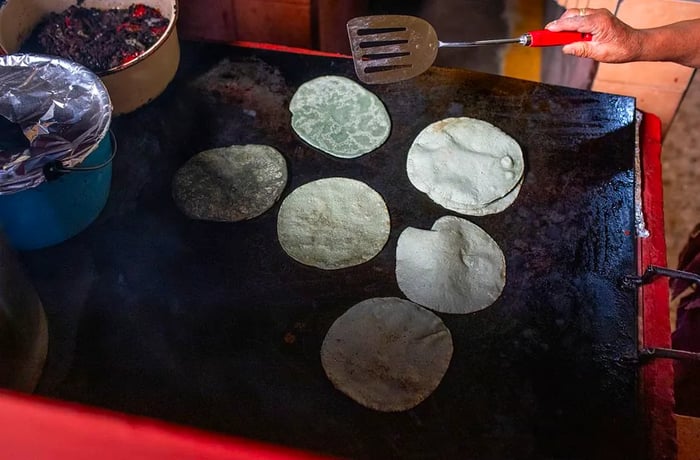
x=455, y=267
x=464, y=164
x=333, y=223
x=339, y=117
x=387, y=354
x=230, y=184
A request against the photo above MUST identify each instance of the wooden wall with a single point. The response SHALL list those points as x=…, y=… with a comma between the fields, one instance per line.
x=313, y=24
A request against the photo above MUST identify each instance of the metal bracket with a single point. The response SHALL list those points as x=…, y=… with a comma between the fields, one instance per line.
x=647, y=354
x=652, y=272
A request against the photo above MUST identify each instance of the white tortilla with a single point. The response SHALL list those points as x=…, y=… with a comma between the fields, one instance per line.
x=230, y=184
x=339, y=117
x=455, y=267
x=333, y=223
x=387, y=354
x=464, y=163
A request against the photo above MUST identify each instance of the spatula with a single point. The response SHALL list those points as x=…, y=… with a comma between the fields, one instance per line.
x=391, y=48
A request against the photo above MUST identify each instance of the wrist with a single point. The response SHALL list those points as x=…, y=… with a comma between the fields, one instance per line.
x=638, y=47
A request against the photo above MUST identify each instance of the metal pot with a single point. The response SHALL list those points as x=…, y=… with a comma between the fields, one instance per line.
x=130, y=85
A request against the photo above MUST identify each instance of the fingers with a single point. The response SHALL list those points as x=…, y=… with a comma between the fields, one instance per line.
x=583, y=24
x=613, y=40
x=578, y=19
x=573, y=12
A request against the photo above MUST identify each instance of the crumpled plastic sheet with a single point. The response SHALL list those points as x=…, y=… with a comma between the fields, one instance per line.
x=63, y=109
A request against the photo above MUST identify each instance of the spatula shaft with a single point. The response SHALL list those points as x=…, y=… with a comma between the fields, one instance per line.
x=500, y=41
x=536, y=38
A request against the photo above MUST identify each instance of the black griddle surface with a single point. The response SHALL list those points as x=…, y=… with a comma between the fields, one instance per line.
x=212, y=325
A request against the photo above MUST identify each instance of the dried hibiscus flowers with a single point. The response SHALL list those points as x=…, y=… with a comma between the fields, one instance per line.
x=98, y=39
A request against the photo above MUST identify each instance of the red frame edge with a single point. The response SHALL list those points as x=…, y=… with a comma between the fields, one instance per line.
x=656, y=377
x=43, y=429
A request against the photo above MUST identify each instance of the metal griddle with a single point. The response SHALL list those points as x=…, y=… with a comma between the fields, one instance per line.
x=212, y=325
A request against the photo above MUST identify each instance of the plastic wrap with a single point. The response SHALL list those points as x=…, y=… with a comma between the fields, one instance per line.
x=63, y=109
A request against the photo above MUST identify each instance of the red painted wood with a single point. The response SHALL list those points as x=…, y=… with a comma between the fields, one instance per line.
x=655, y=327
x=286, y=49
x=39, y=429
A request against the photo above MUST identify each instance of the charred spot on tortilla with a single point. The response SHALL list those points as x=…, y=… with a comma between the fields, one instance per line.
x=333, y=223
x=230, y=184
x=387, y=354
x=456, y=267
x=339, y=117
x=465, y=165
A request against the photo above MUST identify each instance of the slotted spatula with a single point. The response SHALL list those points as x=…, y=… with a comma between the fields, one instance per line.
x=391, y=48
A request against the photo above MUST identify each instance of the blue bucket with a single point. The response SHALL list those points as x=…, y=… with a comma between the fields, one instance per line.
x=60, y=208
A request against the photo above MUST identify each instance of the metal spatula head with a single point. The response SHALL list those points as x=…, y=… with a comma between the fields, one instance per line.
x=390, y=48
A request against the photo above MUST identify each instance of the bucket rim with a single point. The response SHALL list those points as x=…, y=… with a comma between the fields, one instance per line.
x=56, y=168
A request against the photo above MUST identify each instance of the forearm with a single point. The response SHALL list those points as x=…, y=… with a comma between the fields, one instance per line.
x=678, y=42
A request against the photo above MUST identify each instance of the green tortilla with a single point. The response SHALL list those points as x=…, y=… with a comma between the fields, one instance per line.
x=339, y=117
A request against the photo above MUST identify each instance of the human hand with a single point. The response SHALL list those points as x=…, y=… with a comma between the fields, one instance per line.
x=612, y=40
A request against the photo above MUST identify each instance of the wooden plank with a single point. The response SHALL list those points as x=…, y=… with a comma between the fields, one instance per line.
x=285, y=22
x=207, y=20
x=688, y=429
x=331, y=17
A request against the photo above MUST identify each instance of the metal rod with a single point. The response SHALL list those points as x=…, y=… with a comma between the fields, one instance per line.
x=669, y=353
x=500, y=41
x=654, y=271
x=617, y=7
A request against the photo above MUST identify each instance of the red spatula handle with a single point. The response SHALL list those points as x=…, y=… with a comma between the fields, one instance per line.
x=549, y=38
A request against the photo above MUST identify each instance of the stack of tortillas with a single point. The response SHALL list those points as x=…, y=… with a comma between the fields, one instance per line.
x=466, y=165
